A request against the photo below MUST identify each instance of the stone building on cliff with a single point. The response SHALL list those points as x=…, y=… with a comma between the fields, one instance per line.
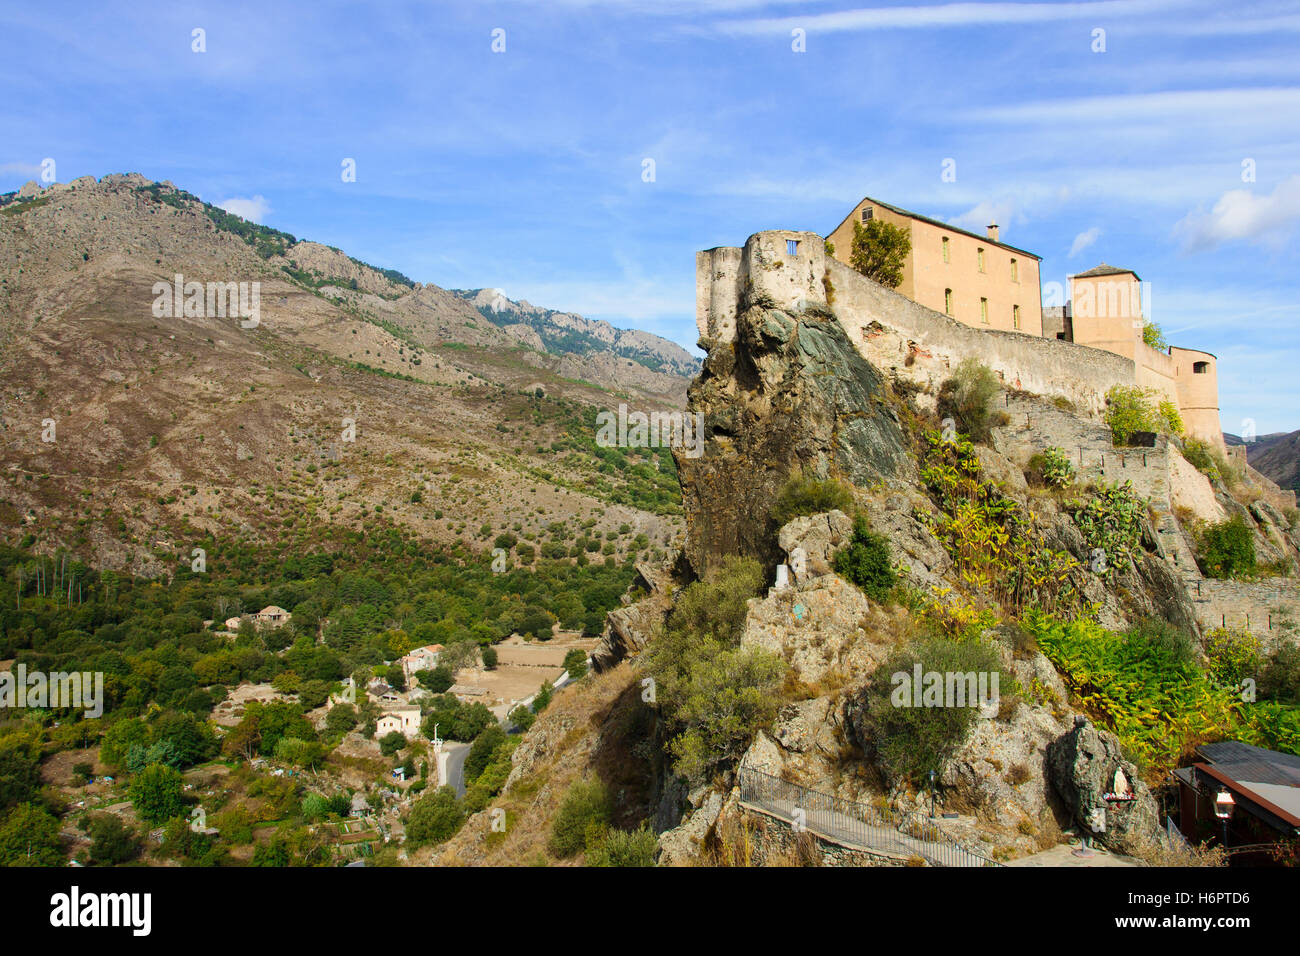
x=987, y=284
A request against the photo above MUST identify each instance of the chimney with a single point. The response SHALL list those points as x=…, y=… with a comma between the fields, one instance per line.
x=993, y=231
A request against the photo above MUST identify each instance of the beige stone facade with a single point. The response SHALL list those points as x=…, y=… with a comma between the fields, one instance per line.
x=975, y=279
x=1107, y=313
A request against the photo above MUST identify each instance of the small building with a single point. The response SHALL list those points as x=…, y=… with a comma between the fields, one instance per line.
x=360, y=806
x=272, y=616
x=421, y=659
x=232, y=623
x=403, y=719
x=1264, y=786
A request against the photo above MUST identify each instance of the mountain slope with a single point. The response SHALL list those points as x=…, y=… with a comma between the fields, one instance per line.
x=359, y=397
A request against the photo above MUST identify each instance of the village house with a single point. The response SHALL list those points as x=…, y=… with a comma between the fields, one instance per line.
x=405, y=719
x=271, y=616
x=421, y=659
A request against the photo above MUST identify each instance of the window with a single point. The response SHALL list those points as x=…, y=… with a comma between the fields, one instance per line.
x=947, y=301
x=945, y=250
x=1015, y=314
x=792, y=247
x=984, y=311
x=866, y=213
x=1015, y=271
x=1200, y=368
x=979, y=259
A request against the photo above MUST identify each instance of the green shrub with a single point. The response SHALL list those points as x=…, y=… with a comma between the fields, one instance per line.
x=623, y=848
x=713, y=695
x=1057, y=469
x=1131, y=409
x=811, y=496
x=1112, y=522
x=967, y=397
x=1231, y=656
x=1280, y=680
x=112, y=842
x=391, y=742
x=1161, y=642
x=585, y=803
x=1228, y=549
x=865, y=561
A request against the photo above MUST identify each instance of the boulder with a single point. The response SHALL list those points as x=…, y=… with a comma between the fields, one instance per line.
x=819, y=535
x=681, y=846
x=1084, y=766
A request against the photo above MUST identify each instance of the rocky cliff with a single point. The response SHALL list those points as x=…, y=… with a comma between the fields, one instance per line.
x=788, y=394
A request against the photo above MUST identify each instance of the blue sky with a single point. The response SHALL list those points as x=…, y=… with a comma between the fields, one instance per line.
x=523, y=169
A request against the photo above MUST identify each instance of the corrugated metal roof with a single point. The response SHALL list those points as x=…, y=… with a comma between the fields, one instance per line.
x=1246, y=762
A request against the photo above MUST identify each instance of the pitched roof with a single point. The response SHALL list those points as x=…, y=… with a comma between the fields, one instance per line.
x=934, y=222
x=1106, y=270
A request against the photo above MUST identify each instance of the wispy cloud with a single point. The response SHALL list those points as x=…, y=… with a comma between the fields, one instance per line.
x=943, y=15
x=1083, y=240
x=254, y=209
x=1241, y=214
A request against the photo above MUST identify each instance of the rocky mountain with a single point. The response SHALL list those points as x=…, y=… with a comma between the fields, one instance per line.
x=339, y=393
x=567, y=333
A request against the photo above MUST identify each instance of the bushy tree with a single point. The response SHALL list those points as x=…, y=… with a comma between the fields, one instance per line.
x=967, y=397
x=880, y=250
x=910, y=741
x=435, y=817
x=482, y=750
x=714, y=695
x=112, y=842
x=29, y=836
x=575, y=662
x=156, y=792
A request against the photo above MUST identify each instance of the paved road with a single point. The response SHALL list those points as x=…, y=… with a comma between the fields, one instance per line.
x=456, y=754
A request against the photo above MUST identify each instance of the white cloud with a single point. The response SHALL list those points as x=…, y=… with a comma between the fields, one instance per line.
x=1243, y=214
x=254, y=210
x=1083, y=240
x=1001, y=211
x=20, y=169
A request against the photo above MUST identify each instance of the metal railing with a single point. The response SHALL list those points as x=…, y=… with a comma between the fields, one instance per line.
x=855, y=824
